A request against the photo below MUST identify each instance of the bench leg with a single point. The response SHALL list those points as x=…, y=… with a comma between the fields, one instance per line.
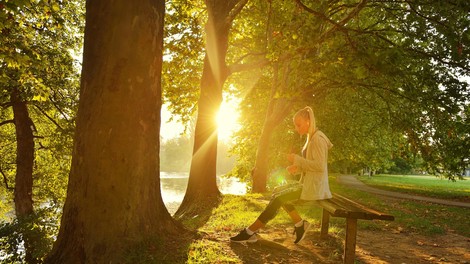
x=325, y=223
x=350, y=243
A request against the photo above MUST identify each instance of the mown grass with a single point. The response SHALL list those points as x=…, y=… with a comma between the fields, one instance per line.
x=430, y=186
x=236, y=212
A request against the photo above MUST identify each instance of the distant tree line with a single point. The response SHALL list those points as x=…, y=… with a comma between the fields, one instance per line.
x=176, y=153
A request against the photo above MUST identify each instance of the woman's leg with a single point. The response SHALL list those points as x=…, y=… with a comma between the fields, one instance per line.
x=256, y=225
x=248, y=234
x=271, y=210
x=294, y=215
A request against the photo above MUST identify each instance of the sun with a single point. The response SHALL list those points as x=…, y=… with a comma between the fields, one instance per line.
x=228, y=119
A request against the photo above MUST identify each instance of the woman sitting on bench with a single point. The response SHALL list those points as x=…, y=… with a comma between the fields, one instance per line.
x=312, y=166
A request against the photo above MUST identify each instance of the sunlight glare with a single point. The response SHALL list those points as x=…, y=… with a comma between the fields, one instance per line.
x=227, y=119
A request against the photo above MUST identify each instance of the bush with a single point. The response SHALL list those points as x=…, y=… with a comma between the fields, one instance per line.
x=39, y=230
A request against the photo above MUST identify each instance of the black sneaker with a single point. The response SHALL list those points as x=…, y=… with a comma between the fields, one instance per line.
x=244, y=237
x=301, y=231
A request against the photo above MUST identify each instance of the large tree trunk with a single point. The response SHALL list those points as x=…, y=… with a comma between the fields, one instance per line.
x=24, y=167
x=277, y=111
x=202, y=185
x=113, y=201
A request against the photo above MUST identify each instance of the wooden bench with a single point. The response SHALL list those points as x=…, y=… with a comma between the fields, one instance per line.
x=340, y=206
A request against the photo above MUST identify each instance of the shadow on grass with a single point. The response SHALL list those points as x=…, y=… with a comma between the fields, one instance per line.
x=263, y=251
x=275, y=248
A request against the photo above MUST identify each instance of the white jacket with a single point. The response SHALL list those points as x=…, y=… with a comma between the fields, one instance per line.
x=314, y=168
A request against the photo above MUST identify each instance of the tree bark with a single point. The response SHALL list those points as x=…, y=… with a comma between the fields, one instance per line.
x=24, y=156
x=113, y=198
x=202, y=184
x=23, y=190
x=277, y=111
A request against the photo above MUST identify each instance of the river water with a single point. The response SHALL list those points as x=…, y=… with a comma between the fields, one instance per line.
x=173, y=188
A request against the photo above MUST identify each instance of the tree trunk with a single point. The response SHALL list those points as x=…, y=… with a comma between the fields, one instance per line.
x=277, y=111
x=113, y=199
x=24, y=167
x=202, y=185
x=260, y=172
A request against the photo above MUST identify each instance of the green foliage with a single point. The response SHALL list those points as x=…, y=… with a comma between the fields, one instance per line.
x=400, y=166
x=40, y=40
x=37, y=48
x=386, y=84
x=40, y=228
x=183, y=56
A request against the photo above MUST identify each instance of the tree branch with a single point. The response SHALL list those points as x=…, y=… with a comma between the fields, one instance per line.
x=353, y=13
x=7, y=122
x=410, y=5
x=236, y=10
x=60, y=110
x=238, y=67
x=48, y=117
x=316, y=13
x=249, y=66
x=5, y=105
x=423, y=53
x=5, y=180
x=336, y=25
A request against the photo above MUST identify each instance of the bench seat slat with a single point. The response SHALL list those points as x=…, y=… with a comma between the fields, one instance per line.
x=376, y=214
x=340, y=206
x=337, y=210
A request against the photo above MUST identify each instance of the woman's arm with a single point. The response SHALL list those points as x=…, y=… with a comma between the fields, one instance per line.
x=319, y=154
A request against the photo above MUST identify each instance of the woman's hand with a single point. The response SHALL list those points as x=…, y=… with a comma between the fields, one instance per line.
x=291, y=157
x=292, y=169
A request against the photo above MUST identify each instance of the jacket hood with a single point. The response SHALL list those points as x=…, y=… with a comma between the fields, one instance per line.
x=322, y=135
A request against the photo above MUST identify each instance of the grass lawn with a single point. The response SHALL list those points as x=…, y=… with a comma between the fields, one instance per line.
x=430, y=186
x=416, y=216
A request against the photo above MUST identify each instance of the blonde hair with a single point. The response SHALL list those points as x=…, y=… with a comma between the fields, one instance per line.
x=307, y=114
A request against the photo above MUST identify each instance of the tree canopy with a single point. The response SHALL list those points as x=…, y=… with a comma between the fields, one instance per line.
x=386, y=79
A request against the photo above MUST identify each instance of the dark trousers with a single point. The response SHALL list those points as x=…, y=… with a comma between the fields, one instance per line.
x=284, y=200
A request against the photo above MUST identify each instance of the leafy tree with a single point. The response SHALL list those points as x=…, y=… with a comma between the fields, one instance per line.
x=37, y=98
x=183, y=57
x=202, y=184
x=373, y=74
x=113, y=202
x=427, y=40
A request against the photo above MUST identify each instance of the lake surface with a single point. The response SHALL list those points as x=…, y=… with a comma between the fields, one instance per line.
x=173, y=188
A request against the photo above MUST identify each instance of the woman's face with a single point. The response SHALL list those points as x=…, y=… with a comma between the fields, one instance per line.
x=301, y=125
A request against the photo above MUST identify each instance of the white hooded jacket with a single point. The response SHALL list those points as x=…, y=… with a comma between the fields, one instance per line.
x=314, y=168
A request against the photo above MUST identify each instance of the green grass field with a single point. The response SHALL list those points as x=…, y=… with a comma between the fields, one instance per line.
x=416, y=216
x=430, y=186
